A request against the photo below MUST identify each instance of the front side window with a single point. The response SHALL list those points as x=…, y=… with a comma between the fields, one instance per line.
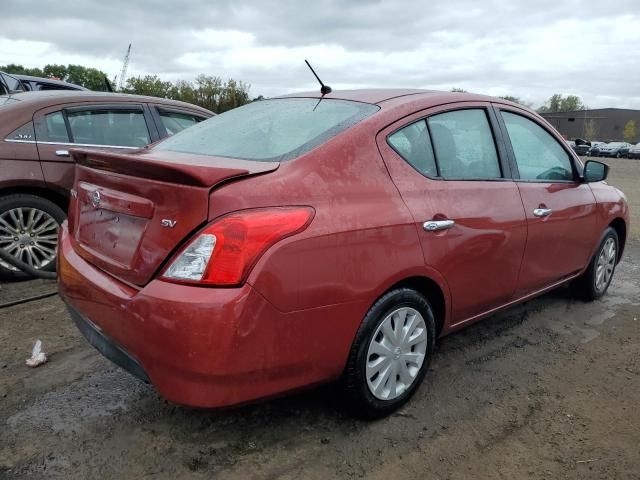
x=174, y=122
x=538, y=155
x=270, y=130
x=118, y=128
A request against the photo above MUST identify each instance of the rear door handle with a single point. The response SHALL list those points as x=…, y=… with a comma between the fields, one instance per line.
x=435, y=225
x=62, y=153
x=542, y=212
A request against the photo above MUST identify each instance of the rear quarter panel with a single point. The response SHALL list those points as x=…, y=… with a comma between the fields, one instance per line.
x=19, y=165
x=361, y=241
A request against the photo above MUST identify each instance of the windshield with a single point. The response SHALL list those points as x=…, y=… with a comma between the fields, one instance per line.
x=270, y=130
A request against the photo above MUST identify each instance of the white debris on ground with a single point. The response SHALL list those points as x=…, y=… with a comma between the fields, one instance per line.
x=38, y=357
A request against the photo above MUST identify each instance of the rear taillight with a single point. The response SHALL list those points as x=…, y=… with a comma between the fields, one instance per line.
x=225, y=251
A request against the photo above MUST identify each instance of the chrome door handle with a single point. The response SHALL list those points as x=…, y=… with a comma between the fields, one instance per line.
x=435, y=225
x=542, y=212
x=62, y=153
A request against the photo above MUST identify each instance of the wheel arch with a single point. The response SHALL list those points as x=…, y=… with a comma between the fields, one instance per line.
x=55, y=197
x=433, y=292
x=620, y=226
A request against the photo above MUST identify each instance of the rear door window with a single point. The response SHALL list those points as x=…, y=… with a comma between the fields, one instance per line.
x=118, y=128
x=539, y=156
x=451, y=145
x=414, y=145
x=464, y=145
x=55, y=129
x=174, y=122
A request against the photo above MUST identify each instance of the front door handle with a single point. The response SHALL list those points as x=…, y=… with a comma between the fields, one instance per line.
x=62, y=153
x=542, y=212
x=435, y=225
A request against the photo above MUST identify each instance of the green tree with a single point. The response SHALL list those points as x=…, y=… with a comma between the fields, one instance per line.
x=518, y=100
x=90, y=78
x=630, y=131
x=55, y=71
x=559, y=103
x=458, y=90
x=150, y=85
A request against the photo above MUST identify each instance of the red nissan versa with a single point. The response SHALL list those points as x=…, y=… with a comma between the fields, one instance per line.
x=306, y=239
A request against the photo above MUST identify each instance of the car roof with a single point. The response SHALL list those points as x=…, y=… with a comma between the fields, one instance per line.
x=378, y=96
x=41, y=99
x=49, y=81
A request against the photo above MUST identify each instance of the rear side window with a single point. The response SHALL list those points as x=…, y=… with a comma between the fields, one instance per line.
x=24, y=133
x=538, y=155
x=270, y=130
x=451, y=145
x=174, y=122
x=118, y=128
x=413, y=144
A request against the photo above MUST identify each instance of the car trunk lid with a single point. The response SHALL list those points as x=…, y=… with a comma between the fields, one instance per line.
x=129, y=212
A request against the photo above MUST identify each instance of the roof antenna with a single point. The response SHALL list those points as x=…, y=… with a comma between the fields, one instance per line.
x=324, y=89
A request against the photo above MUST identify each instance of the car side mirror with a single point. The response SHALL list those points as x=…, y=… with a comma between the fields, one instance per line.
x=595, y=171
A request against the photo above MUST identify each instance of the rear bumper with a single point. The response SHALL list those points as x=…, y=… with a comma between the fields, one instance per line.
x=205, y=347
x=106, y=346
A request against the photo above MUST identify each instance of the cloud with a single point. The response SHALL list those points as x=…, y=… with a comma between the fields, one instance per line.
x=522, y=48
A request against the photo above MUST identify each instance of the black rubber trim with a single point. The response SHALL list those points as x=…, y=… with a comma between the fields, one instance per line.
x=106, y=346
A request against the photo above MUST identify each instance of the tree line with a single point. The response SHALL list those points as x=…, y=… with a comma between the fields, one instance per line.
x=208, y=91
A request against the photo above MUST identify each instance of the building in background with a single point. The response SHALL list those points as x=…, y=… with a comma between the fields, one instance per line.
x=603, y=124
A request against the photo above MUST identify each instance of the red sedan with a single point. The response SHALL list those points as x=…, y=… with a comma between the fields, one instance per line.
x=312, y=238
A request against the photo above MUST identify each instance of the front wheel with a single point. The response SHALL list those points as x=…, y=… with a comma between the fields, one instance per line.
x=29, y=231
x=390, y=354
x=595, y=281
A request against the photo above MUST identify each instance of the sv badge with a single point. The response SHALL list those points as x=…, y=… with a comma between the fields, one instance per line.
x=168, y=223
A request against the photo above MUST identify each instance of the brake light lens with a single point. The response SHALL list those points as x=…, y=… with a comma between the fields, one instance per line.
x=225, y=251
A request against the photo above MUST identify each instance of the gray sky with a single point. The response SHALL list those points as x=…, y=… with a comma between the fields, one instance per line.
x=526, y=48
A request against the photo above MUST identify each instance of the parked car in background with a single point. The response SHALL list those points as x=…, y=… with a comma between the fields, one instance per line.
x=595, y=148
x=634, y=151
x=582, y=147
x=26, y=83
x=614, y=149
x=37, y=129
x=311, y=238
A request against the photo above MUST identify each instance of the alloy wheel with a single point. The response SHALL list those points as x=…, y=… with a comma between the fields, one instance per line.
x=396, y=353
x=605, y=265
x=30, y=235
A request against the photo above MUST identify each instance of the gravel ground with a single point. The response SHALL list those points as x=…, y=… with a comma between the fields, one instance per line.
x=548, y=389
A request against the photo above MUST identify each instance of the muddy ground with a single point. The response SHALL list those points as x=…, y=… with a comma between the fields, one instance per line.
x=549, y=389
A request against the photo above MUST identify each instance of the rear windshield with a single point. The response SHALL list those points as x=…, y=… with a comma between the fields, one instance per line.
x=7, y=100
x=270, y=130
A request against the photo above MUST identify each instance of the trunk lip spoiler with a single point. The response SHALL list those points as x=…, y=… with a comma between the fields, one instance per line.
x=204, y=172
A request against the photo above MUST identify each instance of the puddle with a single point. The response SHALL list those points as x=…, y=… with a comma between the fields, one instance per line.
x=68, y=408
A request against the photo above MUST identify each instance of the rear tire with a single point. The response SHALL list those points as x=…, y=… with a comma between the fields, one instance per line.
x=390, y=354
x=595, y=281
x=29, y=227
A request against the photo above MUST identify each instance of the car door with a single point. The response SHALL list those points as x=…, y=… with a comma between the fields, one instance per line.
x=120, y=127
x=560, y=208
x=455, y=179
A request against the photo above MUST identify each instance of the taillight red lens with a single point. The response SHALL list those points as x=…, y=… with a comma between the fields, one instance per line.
x=226, y=250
